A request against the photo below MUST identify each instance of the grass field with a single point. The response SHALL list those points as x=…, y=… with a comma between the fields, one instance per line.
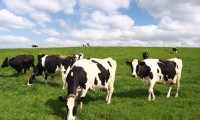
x=129, y=101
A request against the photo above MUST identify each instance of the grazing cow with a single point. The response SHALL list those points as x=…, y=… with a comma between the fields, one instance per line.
x=153, y=71
x=87, y=74
x=145, y=55
x=34, y=46
x=174, y=49
x=19, y=62
x=50, y=65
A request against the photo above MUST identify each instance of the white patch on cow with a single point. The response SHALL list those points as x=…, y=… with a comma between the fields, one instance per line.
x=64, y=75
x=71, y=73
x=134, y=65
x=70, y=105
x=43, y=60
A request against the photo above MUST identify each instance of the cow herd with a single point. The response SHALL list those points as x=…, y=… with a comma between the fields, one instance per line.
x=81, y=74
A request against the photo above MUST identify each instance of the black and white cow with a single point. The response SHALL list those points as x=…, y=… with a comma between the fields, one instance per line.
x=174, y=49
x=52, y=64
x=87, y=74
x=19, y=62
x=153, y=71
x=145, y=55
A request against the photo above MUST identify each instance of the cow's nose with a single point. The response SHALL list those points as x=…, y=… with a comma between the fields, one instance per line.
x=134, y=75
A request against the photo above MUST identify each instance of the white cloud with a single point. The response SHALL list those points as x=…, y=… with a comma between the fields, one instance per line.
x=105, y=5
x=10, y=41
x=50, y=32
x=41, y=16
x=18, y=6
x=101, y=20
x=10, y=20
x=4, y=29
x=55, y=42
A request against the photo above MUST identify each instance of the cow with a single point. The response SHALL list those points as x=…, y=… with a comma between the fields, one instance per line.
x=174, y=49
x=153, y=71
x=34, y=46
x=87, y=74
x=145, y=55
x=19, y=62
x=52, y=64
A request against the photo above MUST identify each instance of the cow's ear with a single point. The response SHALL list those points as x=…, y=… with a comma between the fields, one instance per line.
x=141, y=63
x=128, y=63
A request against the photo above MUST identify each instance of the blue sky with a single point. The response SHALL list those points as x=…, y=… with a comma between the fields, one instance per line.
x=67, y=23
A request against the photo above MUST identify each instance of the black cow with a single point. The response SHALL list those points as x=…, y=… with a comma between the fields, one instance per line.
x=174, y=49
x=34, y=46
x=145, y=55
x=19, y=62
x=87, y=74
x=49, y=65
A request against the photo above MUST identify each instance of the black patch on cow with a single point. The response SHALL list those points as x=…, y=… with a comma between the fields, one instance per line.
x=151, y=75
x=68, y=62
x=65, y=71
x=144, y=70
x=109, y=63
x=104, y=74
x=95, y=81
x=76, y=77
x=167, y=69
x=157, y=70
x=160, y=77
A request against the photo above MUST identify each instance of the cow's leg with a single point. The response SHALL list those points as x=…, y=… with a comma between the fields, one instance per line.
x=45, y=78
x=109, y=92
x=177, y=86
x=24, y=71
x=170, y=89
x=82, y=96
x=64, y=83
x=64, y=76
x=33, y=66
x=150, y=91
x=19, y=72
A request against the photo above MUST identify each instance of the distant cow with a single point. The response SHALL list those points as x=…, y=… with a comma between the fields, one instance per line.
x=34, y=46
x=89, y=74
x=52, y=64
x=153, y=71
x=19, y=62
x=174, y=49
x=145, y=55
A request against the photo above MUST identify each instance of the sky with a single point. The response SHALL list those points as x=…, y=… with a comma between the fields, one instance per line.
x=72, y=23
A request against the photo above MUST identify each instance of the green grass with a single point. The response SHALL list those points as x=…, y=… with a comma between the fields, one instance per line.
x=129, y=101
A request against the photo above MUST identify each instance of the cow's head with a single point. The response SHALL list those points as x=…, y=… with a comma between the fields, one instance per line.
x=78, y=56
x=145, y=55
x=5, y=63
x=31, y=79
x=134, y=67
x=71, y=106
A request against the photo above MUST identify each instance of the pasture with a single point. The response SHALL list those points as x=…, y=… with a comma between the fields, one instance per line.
x=129, y=101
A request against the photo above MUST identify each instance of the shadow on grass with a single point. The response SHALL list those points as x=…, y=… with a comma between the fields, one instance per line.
x=11, y=75
x=49, y=82
x=135, y=93
x=57, y=108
